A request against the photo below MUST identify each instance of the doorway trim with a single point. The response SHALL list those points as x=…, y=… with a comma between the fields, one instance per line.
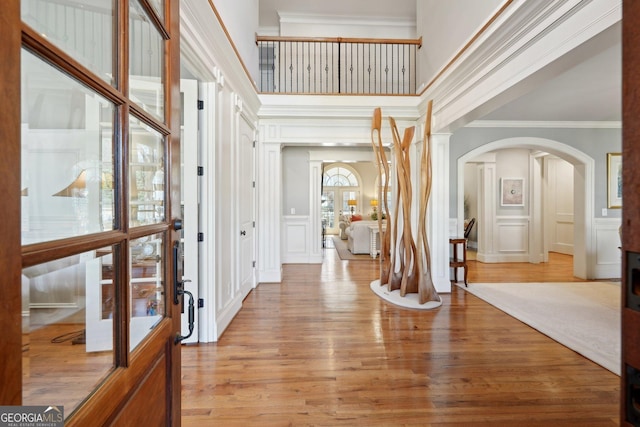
x=584, y=191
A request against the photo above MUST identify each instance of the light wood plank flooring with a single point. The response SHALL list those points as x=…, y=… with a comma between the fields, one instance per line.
x=321, y=349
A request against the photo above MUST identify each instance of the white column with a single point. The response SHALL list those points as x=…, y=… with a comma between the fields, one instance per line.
x=269, y=176
x=438, y=212
x=487, y=200
x=315, y=216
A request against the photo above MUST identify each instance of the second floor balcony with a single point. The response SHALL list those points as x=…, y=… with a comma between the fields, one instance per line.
x=338, y=65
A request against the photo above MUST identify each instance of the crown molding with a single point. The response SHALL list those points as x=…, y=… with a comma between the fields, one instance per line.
x=545, y=124
x=323, y=19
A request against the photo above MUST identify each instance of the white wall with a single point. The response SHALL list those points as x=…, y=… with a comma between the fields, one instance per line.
x=445, y=27
x=240, y=18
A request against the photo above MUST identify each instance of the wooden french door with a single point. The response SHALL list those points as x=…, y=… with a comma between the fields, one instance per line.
x=90, y=160
x=630, y=230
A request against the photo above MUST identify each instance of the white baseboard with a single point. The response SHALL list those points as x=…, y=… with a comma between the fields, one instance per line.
x=270, y=276
x=225, y=317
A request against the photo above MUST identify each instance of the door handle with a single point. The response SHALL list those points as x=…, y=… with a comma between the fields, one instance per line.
x=243, y=233
x=179, y=290
x=191, y=317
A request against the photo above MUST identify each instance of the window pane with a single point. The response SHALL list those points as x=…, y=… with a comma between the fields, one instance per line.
x=146, y=47
x=146, y=287
x=82, y=28
x=327, y=206
x=67, y=308
x=147, y=178
x=67, y=155
x=350, y=202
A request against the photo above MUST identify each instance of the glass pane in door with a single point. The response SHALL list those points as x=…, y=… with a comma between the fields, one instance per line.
x=147, y=289
x=147, y=178
x=67, y=156
x=82, y=28
x=327, y=205
x=66, y=354
x=146, y=62
x=350, y=202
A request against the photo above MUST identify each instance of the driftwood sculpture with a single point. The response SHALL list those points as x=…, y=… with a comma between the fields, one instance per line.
x=426, y=289
x=383, y=171
x=403, y=264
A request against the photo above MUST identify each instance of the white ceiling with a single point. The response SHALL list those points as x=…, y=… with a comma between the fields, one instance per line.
x=585, y=85
x=360, y=8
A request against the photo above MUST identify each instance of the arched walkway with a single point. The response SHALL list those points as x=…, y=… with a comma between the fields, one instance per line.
x=584, y=192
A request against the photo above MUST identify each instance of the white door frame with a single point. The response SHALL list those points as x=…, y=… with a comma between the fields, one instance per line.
x=190, y=203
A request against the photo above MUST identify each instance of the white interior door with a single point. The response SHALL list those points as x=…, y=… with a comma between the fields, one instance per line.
x=190, y=204
x=246, y=203
x=559, y=199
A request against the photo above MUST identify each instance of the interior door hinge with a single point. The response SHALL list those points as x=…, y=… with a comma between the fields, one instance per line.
x=200, y=170
x=200, y=302
x=254, y=184
x=200, y=237
x=254, y=224
x=253, y=264
x=200, y=104
x=254, y=144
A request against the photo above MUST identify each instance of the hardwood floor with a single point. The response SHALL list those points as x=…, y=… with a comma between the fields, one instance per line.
x=558, y=269
x=322, y=349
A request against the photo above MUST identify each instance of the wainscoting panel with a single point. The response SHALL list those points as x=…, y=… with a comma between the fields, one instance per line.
x=296, y=240
x=513, y=239
x=607, y=241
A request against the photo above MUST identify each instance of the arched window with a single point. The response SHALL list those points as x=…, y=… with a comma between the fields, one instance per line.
x=339, y=177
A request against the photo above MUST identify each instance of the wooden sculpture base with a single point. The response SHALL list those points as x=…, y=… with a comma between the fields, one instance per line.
x=409, y=301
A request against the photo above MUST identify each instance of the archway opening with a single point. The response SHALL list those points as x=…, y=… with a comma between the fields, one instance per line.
x=583, y=187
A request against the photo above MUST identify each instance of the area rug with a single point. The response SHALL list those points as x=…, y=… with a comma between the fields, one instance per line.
x=409, y=301
x=345, y=254
x=583, y=316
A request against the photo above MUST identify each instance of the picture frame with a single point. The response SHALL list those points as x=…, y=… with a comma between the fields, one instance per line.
x=614, y=180
x=512, y=191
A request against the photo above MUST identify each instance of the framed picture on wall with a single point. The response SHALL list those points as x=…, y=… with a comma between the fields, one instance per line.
x=512, y=191
x=614, y=180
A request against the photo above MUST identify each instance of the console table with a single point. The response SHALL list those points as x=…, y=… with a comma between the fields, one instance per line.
x=455, y=262
x=374, y=234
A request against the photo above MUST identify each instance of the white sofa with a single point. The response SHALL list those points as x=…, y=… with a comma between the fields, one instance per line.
x=358, y=236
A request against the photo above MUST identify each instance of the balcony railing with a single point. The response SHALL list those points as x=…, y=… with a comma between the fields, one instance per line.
x=338, y=65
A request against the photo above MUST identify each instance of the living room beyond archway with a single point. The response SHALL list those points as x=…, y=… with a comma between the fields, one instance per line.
x=341, y=194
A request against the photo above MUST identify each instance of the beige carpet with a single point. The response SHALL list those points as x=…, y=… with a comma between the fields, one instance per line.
x=345, y=254
x=583, y=316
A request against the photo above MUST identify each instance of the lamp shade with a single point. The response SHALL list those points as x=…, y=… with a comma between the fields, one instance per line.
x=76, y=188
x=374, y=202
x=352, y=203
